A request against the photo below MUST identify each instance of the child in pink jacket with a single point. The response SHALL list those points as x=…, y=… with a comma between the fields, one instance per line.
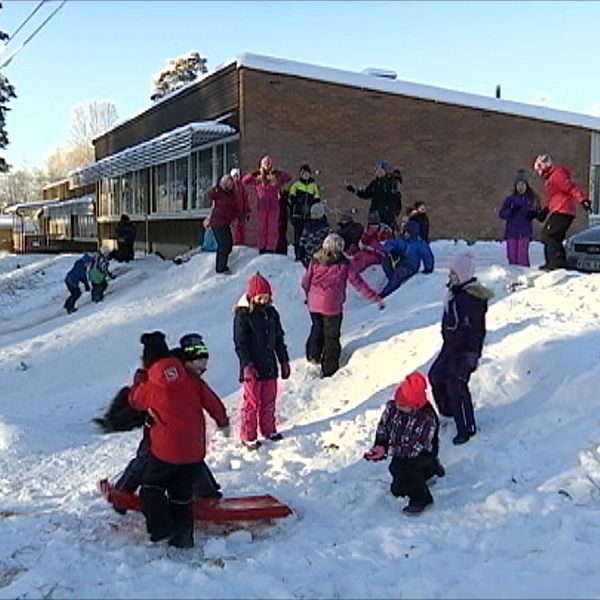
x=325, y=286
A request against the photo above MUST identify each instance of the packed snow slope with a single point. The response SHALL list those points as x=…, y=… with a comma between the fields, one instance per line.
x=517, y=515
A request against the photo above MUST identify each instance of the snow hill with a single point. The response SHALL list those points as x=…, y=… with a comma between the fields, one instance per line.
x=517, y=514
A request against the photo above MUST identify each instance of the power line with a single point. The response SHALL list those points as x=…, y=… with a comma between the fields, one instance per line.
x=26, y=20
x=36, y=31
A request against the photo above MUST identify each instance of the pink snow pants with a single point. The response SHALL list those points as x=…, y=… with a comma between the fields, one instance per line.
x=267, y=217
x=360, y=261
x=258, y=408
x=517, y=251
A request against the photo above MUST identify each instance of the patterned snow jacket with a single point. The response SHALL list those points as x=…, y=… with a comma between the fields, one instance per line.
x=407, y=435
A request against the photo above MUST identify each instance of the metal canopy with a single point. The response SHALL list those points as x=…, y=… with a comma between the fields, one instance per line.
x=171, y=145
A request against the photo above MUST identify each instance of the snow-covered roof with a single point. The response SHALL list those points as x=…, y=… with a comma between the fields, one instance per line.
x=15, y=208
x=79, y=205
x=415, y=90
x=170, y=145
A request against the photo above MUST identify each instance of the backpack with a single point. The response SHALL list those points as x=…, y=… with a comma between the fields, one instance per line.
x=97, y=276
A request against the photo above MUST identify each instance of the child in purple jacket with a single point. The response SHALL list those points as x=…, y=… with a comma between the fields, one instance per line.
x=325, y=286
x=409, y=428
x=518, y=210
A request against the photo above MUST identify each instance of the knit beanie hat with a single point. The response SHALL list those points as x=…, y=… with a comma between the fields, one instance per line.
x=464, y=266
x=522, y=175
x=193, y=346
x=305, y=167
x=382, y=164
x=266, y=162
x=333, y=243
x=317, y=210
x=411, y=391
x=235, y=172
x=155, y=347
x=258, y=285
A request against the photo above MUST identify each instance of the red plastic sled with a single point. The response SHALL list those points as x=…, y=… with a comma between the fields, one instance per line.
x=213, y=510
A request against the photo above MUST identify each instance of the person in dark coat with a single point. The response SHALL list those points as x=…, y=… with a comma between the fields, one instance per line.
x=560, y=208
x=408, y=428
x=404, y=256
x=225, y=210
x=77, y=275
x=518, y=210
x=463, y=332
x=384, y=193
x=304, y=192
x=351, y=231
x=126, y=234
x=259, y=344
x=316, y=229
x=282, y=242
x=418, y=213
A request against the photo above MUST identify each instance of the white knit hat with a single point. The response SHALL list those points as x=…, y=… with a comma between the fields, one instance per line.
x=333, y=243
x=464, y=266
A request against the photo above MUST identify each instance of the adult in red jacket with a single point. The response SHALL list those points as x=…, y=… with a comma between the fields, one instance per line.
x=225, y=210
x=176, y=402
x=268, y=184
x=562, y=197
x=244, y=213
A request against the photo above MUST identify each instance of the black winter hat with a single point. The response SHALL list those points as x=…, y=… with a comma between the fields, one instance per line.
x=193, y=346
x=155, y=347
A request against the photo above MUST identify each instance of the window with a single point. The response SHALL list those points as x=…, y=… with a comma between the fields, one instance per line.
x=160, y=201
x=232, y=150
x=179, y=184
x=595, y=173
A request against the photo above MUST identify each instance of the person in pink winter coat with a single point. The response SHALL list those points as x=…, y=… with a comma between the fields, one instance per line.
x=370, y=253
x=325, y=286
x=259, y=345
x=562, y=197
x=239, y=224
x=268, y=184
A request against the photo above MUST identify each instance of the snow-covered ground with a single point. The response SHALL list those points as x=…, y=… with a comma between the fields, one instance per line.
x=517, y=515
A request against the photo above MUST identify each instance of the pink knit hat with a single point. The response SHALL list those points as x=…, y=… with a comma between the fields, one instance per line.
x=464, y=266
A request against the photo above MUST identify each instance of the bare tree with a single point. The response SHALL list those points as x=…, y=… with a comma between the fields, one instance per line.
x=91, y=120
x=22, y=185
x=178, y=72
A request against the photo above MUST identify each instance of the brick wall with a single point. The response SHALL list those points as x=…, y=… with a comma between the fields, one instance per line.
x=460, y=161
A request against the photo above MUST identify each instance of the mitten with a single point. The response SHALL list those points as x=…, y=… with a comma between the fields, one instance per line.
x=350, y=188
x=250, y=372
x=225, y=431
x=87, y=287
x=587, y=205
x=542, y=214
x=375, y=453
x=285, y=370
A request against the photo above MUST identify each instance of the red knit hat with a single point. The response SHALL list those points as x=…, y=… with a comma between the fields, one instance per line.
x=411, y=391
x=257, y=285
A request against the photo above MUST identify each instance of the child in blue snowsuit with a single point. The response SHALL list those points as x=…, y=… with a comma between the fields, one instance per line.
x=463, y=332
x=77, y=275
x=404, y=257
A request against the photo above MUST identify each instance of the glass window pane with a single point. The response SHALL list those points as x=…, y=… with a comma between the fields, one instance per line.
x=218, y=170
x=232, y=155
x=179, y=185
x=161, y=192
x=205, y=177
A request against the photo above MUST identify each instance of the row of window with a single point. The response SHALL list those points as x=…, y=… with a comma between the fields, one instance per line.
x=176, y=186
x=68, y=227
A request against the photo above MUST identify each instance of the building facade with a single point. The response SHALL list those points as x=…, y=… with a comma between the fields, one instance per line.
x=457, y=152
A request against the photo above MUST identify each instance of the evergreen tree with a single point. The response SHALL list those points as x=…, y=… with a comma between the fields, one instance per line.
x=178, y=72
x=7, y=91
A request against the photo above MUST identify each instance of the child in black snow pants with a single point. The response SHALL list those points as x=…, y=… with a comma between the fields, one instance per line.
x=193, y=352
x=409, y=426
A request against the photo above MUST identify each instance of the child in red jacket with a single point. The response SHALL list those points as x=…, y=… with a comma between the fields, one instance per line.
x=176, y=400
x=409, y=426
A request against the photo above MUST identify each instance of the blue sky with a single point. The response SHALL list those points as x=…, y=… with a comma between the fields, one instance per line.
x=109, y=50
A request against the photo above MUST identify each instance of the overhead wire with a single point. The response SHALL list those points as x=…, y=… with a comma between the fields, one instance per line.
x=26, y=20
x=32, y=35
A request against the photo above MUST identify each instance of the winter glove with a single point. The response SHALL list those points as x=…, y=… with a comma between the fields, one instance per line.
x=250, y=372
x=225, y=431
x=587, y=205
x=350, y=188
x=87, y=287
x=542, y=214
x=375, y=453
x=285, y=370
x=140, y=376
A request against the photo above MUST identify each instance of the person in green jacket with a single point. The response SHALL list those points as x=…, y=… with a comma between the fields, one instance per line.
x=303, y=193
